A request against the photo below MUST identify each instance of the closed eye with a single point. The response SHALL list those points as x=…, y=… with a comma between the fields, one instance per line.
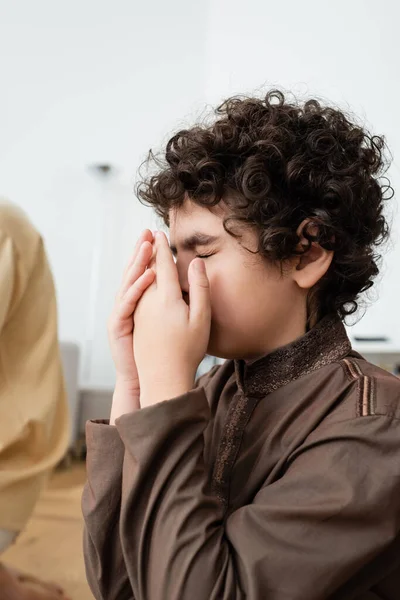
x=204, y=255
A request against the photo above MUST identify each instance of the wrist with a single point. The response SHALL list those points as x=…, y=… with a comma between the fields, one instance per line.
x=126, y=399
x=127, y=383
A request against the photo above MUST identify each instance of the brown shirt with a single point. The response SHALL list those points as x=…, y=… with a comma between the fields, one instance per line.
x=272, y=480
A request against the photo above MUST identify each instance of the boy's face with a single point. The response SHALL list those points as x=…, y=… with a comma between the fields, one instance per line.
x=255, y=308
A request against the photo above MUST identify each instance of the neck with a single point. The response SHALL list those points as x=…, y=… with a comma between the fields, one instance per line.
x=289, y=330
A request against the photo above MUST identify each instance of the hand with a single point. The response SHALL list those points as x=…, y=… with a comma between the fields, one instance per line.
x=135, y=281
x=170, y=338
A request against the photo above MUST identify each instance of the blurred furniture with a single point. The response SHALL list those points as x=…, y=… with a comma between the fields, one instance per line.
x=70, y=361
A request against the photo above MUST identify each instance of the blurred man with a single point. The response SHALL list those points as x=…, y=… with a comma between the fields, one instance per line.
x=33, y=411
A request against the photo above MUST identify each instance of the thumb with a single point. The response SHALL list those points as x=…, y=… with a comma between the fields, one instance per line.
x=199, y=293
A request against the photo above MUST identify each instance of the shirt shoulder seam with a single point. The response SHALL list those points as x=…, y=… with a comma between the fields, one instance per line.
x=366, y=387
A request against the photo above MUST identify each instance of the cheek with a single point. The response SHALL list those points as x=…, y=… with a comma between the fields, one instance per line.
x=242, y=293
x=229, y=292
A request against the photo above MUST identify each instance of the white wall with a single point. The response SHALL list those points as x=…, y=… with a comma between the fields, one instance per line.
x=82, y=82
x=344, y=51
x=92, y=81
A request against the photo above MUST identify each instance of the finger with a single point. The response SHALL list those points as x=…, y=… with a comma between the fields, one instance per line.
x=145, y=236
x=152, y=262
x=135, y=292
x=199, y=294
x=138, y=268
x=167, y=273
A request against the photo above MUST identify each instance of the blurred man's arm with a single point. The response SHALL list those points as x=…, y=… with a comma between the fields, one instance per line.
x=7, y=275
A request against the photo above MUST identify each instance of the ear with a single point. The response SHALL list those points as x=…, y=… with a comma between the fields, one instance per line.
x=315, y=261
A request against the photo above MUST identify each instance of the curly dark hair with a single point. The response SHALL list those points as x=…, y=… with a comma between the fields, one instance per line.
x=276, y=163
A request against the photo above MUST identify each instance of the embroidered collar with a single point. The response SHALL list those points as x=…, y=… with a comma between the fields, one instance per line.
x=327, y=342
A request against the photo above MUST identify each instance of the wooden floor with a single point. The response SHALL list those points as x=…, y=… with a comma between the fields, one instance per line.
x=51, y=546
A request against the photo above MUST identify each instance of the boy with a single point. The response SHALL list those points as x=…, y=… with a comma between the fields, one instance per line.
x=277, y=475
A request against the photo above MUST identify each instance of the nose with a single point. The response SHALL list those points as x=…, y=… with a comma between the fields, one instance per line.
x=183, y=279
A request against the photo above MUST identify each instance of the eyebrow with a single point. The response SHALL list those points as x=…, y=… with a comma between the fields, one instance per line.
x=194, y=241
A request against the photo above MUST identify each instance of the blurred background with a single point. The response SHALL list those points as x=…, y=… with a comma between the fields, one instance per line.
x=87, y=87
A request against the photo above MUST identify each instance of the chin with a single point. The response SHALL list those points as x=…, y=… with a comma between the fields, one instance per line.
x=224, y=344
x=221, y=348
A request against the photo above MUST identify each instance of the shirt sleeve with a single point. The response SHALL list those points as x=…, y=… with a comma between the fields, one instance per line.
x=101, y=501
x=334, y=510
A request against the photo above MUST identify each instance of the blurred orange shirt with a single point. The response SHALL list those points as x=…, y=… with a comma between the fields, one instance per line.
x=34, y=427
